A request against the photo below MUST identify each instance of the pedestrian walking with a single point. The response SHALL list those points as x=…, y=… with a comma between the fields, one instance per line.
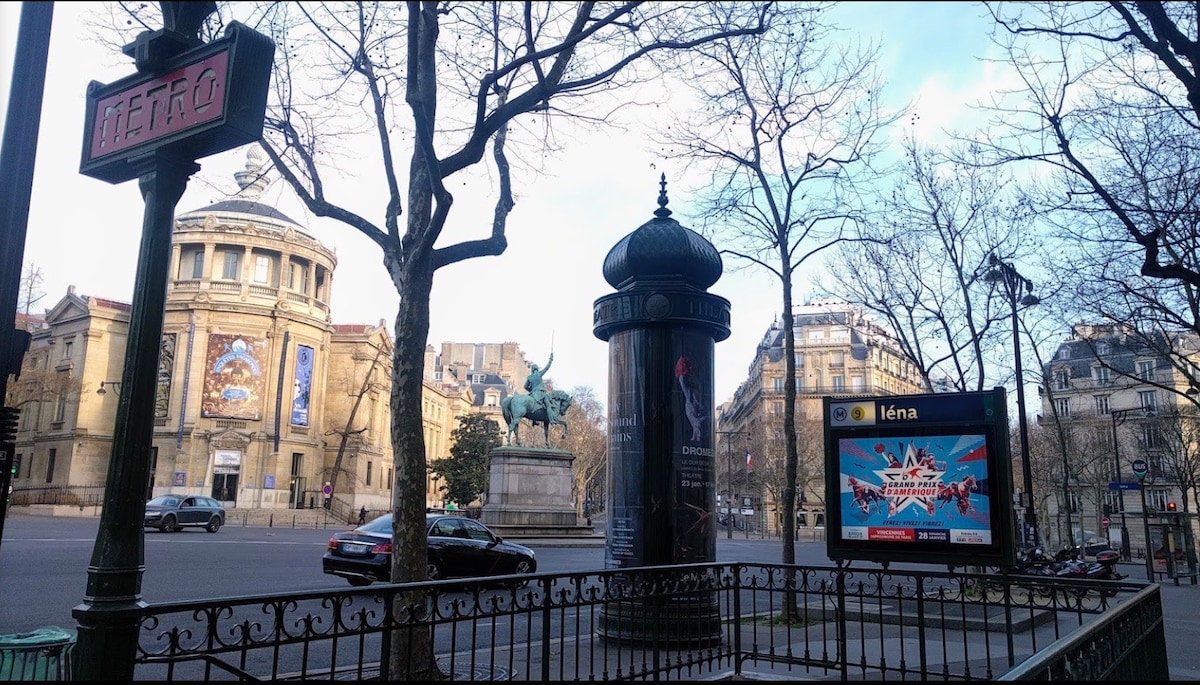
x=362, y=516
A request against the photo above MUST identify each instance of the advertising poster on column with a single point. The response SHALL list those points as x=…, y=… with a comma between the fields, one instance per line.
x=695, y=533
x=166, y=370
x=626, y=458
x=302, y=385
x=233, y=378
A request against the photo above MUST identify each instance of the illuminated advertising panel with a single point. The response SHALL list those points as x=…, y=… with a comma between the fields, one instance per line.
x=302, y=386
x=920, y=478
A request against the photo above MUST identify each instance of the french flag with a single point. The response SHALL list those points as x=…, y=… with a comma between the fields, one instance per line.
x=747, y=458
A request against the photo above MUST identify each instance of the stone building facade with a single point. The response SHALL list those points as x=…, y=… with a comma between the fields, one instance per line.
x=840, y=352
x=262, y=400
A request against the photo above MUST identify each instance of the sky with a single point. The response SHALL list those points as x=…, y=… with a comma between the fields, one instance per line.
x=84, y=232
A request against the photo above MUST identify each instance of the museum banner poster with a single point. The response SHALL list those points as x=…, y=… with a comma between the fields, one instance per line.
x=233, y=378
x=166, y=367
x=302, y=385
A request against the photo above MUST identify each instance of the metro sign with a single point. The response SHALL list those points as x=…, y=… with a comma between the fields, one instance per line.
x=206, y=100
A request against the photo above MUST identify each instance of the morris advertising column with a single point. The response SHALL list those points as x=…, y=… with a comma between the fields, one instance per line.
x=661, y=327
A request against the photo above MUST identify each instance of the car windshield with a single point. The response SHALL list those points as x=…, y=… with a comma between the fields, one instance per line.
x=163, y=501
x=383, y=524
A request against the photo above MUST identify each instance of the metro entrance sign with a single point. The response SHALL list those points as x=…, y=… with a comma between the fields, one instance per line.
x=203, y=101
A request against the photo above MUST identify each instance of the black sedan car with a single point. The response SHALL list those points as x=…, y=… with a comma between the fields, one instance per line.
x=173, y=513
x=459, y=547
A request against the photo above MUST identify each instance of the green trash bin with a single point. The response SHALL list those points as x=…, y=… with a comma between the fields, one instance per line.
x=42, y=654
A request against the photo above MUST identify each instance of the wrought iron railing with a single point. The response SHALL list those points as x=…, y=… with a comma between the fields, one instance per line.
x=691, y=622
x=63, y=495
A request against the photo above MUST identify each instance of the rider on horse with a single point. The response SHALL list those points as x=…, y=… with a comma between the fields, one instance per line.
x=536, y=387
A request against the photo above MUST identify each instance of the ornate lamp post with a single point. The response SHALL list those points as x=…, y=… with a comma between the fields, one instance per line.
x=1014, y=283
x=729, y=480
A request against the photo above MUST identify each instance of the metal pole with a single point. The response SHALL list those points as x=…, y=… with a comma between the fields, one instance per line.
x=728, y=489
x=1125, y=555
x=1030, y=510
x=1067, y=499
x=1146, y=532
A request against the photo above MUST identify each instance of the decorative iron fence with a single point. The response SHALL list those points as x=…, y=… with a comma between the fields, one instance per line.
x=691, y=622
x=68, y=495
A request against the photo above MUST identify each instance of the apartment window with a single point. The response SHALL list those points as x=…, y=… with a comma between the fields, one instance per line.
x=778, y=382
x=297, y=463
x=1113, y=502
x=1064, y=352
x=68, y=348
x=777, y=407
x=838, y=359
x=1062, y=380
x=856, y=383
x=799, y=360
x=370, y=467
x=1102, y=405
x=478, y=378
x=262, y=269
x=198, y=264
x=389, y=481
x=1102, y=348
x=230, y=265
x=1064, y=407
x=50, y=465
x=1145, y=370
x=1151, y=438
x=1101, y=375
x=1158, y=499
x=1148, y=400
x=60, y=409
x=191, y=263
x=839, y=383
x=1073, y=502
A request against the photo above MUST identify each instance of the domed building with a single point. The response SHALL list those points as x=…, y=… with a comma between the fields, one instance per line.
x=262, y=401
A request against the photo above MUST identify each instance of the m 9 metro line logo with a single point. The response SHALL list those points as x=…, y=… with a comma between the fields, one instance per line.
x=852, y=413
x=858, y=414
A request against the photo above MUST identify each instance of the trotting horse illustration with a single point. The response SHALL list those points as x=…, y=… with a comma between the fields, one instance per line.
x=517, y=407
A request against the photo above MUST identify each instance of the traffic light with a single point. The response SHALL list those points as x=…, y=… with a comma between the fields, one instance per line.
x=1171, y=507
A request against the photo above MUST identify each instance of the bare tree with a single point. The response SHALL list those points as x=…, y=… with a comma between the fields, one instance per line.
x=348, y=429
x=787, y=127
x=30, y=293
x=935, y=229
x=440, y=85
x=588, y=442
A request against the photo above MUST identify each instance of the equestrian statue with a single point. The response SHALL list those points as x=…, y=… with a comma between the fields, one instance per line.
x=538, y=407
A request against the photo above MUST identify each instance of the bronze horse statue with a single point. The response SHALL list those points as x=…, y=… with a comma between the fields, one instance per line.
x=517, y=407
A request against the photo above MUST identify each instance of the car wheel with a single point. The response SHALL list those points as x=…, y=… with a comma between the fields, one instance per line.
x=433, y=571
x=214, y=524
x=168, y=524
x=359, y=582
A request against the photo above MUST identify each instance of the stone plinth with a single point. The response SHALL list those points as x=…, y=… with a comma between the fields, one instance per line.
x=530, y=493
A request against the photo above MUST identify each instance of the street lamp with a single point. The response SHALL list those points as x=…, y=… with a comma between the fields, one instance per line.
x=1014, y=283
x=1118, y=416
x=729, y=481
x=116, y=385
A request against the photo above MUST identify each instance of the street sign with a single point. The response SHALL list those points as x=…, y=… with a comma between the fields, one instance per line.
x=1104, y=522
x=328, y=489
x=1140, y=467
x=1124, y=486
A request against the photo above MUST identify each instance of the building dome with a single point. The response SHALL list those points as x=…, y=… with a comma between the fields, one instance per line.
x=663, y=249
x=252, y=181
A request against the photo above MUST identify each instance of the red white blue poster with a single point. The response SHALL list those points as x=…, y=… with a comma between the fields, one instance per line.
x=915, y=489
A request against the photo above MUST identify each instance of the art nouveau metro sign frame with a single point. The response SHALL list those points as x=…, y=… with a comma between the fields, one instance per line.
x=919, y=478
x=206, y=100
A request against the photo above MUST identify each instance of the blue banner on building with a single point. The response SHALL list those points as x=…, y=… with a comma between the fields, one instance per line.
x=302, y=386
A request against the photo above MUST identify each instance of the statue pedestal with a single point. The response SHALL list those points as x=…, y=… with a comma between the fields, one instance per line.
x=529, y=493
